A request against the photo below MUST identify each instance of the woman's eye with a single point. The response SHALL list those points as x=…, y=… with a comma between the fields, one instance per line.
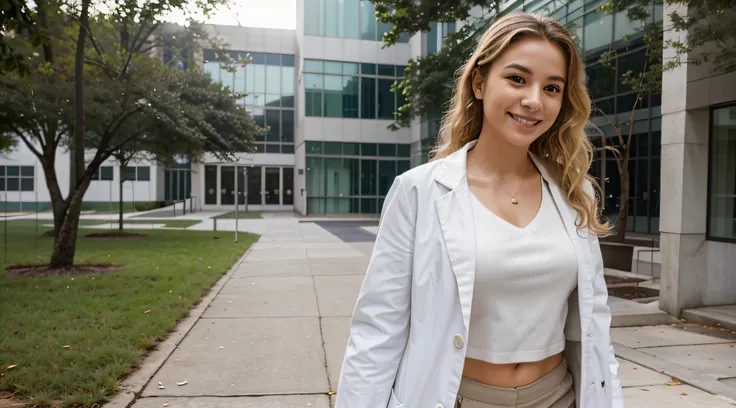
x=552, y=88
x=517, y=79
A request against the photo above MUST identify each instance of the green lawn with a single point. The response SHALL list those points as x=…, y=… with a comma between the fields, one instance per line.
x=241, y=214
x=100, y=316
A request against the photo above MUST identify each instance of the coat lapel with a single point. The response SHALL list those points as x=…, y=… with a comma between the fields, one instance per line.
x=579, y=241
x=456, y=218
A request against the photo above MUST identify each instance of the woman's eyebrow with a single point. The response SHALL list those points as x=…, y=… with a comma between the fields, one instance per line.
x=529, y=71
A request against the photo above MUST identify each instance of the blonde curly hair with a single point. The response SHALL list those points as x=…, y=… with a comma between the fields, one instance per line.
x=564, y=148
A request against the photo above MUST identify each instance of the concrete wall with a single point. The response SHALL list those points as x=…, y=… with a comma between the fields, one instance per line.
x=695, y=271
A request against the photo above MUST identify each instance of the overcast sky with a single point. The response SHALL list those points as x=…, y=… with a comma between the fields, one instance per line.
x=252, y=13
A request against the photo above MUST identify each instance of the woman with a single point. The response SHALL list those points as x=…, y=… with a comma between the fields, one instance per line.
x=503, y=222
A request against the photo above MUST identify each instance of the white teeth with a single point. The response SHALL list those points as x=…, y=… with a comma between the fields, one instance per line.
x=524, y=121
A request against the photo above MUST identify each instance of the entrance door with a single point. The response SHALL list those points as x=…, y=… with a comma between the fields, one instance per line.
x=227, y=185
x=272, y=186
x=254, y=185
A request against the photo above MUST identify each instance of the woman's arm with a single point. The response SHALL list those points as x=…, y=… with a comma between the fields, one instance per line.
x=380, y=322
x=601, y=310
x=602, y=313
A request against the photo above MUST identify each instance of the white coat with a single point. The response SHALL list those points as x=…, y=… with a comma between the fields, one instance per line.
x=410, y=324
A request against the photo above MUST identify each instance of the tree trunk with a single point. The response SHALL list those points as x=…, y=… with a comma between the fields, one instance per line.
x=65, y=241
x=79, y=131
x=120, y=196
x=623, y=211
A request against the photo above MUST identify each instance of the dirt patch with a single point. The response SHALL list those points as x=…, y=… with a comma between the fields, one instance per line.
x=116, y=235
x=632, y=292
x=41, y=271
x=11, y=403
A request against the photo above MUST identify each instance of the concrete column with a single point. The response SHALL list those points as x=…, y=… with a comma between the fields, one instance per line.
x=684, y=181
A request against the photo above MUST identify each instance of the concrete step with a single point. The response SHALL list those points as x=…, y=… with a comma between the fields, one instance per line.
x=724, y=316
x=627, y=313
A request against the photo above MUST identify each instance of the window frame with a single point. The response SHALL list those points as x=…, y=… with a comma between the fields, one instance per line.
x=708, y=236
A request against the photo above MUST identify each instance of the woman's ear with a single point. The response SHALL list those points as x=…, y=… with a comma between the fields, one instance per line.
x=477, y=84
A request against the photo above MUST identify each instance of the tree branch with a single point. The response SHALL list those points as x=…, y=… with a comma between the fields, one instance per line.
x=27, y=142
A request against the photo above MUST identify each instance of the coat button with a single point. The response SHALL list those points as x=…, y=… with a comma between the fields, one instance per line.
x=459, y=342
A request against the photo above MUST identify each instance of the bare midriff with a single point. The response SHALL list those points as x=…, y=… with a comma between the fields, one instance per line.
x=509, y=375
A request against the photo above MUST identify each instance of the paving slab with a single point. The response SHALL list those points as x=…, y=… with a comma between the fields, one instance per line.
x=345, y=252
x=339, y=266
x=714, y=360
x=259, y=356
x=285, y=401
x=634, y=375
x=271, y=254
x=679, y=396
x=336, y=295
x=366, y=248
x=274, y=267
x=335, y=331
x=302, y=245
x=265, y=297
x=658, y=336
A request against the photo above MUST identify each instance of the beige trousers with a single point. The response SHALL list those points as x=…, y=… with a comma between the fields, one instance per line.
x=554, y=390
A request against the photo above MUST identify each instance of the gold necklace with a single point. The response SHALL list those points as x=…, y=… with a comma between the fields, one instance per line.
x=513, y=196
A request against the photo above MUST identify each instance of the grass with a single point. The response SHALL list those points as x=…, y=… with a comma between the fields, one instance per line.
x=241, y=214
x=102, y=317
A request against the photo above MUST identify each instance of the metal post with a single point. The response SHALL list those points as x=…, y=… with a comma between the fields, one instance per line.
x=245, y=193
x=237, y=202
x=5, y=230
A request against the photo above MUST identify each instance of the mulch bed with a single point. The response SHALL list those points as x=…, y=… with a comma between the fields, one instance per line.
x=631, y=292
x=116, y=235
x=620, y=279
x=41, y=271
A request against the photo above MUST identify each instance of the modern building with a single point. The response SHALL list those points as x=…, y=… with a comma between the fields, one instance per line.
x=324, y=91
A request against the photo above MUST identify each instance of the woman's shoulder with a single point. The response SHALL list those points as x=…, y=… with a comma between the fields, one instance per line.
x=422, y=176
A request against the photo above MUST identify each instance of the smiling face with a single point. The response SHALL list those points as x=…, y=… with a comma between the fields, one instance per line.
x=523, y=91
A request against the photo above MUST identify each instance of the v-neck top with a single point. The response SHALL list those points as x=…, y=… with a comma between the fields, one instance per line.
x=523, y=279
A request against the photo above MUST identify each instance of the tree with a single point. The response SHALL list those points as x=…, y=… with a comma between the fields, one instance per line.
x=115, y=91
x=211, y=114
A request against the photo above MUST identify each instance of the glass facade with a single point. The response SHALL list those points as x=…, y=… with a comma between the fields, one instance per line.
x=351, y=177
x=269, y=82
x=354, y=19
x=339, y=89
x=722, y=175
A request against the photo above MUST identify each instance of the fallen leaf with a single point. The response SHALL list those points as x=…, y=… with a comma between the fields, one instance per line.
x=10, y=367
x=683, y=394
x=636, y=368
x=181, y=383
x=67, y=347
x=673, y=383
x=147, y=311
x=331, y=393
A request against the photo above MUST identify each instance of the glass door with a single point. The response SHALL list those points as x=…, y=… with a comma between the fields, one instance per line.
x=254, y=186
x=241, y=184
x=272, y=186
x=288, y=186
x=227, y=185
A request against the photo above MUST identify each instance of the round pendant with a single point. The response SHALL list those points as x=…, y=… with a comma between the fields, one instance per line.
x=514, y=200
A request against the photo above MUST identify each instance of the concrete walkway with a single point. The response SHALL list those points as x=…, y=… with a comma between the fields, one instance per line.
x=274, y=329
